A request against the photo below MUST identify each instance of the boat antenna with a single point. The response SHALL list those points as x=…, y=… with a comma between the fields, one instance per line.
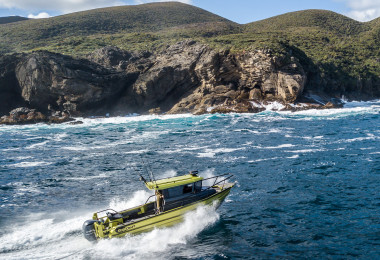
x=150, y=172
x=141, y=177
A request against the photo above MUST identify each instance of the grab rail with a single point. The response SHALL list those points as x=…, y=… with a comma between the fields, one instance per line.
x=149, y=198
x=229, y=175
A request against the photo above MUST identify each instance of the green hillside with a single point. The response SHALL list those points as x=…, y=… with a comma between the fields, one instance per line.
x=324, y=41
x=74, y=29
x=321, y=19
x=12, y=19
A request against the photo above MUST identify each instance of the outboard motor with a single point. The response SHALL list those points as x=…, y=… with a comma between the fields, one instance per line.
x=89, y=230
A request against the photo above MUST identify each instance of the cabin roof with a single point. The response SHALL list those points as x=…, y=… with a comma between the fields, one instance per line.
x=172, y=182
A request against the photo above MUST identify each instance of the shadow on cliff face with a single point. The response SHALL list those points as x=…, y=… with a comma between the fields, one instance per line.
x=10, y=91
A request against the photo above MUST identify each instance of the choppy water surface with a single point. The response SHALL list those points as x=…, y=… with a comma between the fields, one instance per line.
x=307, y=184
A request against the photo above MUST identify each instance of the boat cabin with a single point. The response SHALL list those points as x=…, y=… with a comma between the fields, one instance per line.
x=175, y=188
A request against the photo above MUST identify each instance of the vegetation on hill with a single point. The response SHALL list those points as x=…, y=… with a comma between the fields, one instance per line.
x=12, y=19
x=322, y=19
x=98, y=23
x=324, y=41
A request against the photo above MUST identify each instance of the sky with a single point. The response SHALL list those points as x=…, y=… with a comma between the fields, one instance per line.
x=240, y=11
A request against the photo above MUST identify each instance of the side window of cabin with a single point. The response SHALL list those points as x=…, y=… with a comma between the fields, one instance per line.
x=198, y=186
x=174, y=192
x=187, y=188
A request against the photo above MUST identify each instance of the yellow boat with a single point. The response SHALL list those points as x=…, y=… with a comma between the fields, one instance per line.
x=173, y=198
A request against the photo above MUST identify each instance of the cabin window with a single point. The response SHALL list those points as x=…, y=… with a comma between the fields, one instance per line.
x=173, y=192
x=187, y=188
x=198, y=186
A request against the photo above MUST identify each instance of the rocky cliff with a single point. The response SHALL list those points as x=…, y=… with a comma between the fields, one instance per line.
x=187, y=77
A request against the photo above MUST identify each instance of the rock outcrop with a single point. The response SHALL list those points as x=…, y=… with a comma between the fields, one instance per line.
x=54, y=82
x=187, y=77
x=24, y=115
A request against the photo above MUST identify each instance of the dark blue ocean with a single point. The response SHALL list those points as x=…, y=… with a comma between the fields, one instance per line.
x=307, y=184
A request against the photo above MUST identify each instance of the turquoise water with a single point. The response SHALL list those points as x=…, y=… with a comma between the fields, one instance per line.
x=307, y=184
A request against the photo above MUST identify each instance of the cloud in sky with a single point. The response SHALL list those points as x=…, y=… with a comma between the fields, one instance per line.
x=67, y=6
x=363, y=10
x=39, y=16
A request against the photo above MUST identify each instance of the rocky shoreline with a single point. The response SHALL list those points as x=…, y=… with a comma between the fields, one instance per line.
x=187, y=77
x=24, y=116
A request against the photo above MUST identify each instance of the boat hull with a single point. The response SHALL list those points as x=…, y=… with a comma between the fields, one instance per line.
x=164, y=219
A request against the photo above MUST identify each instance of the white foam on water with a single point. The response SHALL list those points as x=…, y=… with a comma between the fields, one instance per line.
x=275, y=147
x=247, y=130
x=225, y=150
x=75, y=148
x=23, y=157
x=263, y=159
x=312, y=137
x=100, y=176
x=21, y=191
x=41, y=239
x=59, y=137
x=306, y=151
x=110, y=144
x=210, y=153
x=34, y=146
x=157, y=243
x=167, y=174
x=348, y=110
x=129, y=119
x=274, y=106
x=29, y=164
x=136, y=152
x=206, y=155
x=185, y=149
x=359, y=139
x=138, y=198
x=11, y=149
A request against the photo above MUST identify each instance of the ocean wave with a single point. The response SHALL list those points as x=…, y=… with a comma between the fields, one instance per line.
x=275, y=147
x=129, y=119
x=34, y=146
x=306, y=151
x=30, y=164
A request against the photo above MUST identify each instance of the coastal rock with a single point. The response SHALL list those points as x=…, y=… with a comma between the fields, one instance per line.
x=24, y=115
x=225, y=77
x=186, y=77
x=10, y=91
x=58, y=82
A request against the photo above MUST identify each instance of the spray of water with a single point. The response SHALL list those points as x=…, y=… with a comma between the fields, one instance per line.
x=158, y=243
x=139, y=197
x=56, y=238
x=209, y=173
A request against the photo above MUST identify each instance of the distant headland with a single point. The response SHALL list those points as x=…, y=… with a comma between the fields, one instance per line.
x=177, y=58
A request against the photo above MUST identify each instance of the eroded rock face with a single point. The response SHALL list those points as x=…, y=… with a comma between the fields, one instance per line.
x=229, y=80
x=187, y=77
x=52, y=82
